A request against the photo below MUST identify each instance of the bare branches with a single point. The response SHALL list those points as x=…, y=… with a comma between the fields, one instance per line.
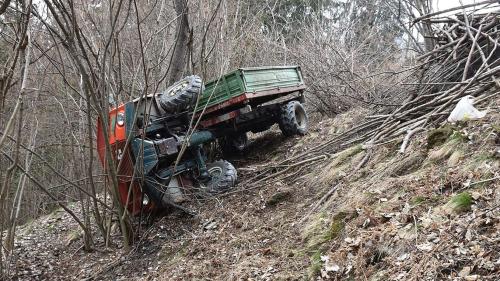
x=466, y=63
x=430, y=15
x=4, y=6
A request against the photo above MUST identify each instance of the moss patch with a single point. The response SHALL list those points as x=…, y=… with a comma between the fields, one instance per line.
x=418, y=200
x=455, y=157
x=315, y=267
x=73, y=236
x=438, y=136
x=446, y=150
x=348, y=153
x=459, y=203
x=407, y=165
x=320, y=231
x=313, y=233
x=337, y=226
x=325, y=230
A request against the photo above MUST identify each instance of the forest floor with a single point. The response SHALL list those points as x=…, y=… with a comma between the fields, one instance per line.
x=431, y=213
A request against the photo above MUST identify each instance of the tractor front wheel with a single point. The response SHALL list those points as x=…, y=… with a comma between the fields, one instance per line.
x=223, y=177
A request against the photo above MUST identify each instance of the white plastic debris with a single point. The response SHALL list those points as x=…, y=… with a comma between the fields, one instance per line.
x=465, y=110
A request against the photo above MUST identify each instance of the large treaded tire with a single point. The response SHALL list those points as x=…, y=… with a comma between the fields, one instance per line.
x=224, y=177
x=182, y=95
x=293, y=119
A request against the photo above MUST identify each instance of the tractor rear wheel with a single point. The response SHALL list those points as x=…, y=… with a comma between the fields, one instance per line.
x=182, y=95
x=293, y=119
x=223, y=177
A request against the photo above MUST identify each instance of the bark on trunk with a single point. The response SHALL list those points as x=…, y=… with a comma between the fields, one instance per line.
x=179, y=56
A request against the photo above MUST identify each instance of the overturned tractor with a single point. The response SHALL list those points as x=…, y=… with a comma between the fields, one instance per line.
x=156, y=142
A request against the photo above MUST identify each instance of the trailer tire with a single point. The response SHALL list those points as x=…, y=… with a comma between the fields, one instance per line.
x=293, y=119
x=181, y=95
x=233, y=143
x=223, y=177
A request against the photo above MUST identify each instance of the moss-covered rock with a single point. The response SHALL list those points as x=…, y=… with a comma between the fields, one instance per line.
x=455, y=142
x=321, y=230
x=325, y=229
x=337, y=225
x=314, y=234
x=279, y=197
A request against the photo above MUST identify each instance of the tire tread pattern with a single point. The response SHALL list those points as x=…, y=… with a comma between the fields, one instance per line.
x=226, y=181
x=183, y=99
x=288, y=121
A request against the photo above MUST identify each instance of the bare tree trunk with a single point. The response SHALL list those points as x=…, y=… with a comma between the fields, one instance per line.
x=16, y=204
x=423, y=7
x=4, y=194
x=24, y=51
x=181, y=49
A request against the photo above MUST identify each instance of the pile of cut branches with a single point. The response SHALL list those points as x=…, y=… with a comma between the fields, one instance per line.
x=465, y=61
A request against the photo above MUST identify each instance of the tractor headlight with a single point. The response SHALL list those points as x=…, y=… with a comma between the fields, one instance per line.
x=120, y=119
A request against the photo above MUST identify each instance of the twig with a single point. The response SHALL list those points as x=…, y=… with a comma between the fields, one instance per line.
x=406, y=140
x=484, y=181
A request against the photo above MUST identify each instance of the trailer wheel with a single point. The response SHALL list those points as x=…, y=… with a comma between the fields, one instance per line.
x=181, y=95
x=233, y=143
x=223, y=177
x=293, y=119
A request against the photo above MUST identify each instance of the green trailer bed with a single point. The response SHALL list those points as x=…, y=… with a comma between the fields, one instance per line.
x=246, y=84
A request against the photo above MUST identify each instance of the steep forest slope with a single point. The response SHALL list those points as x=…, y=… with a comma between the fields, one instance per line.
x=429, y=213
x=340, y=203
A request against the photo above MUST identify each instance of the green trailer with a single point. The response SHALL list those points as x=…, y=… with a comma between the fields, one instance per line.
x=253, y=99
x=251, y=83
